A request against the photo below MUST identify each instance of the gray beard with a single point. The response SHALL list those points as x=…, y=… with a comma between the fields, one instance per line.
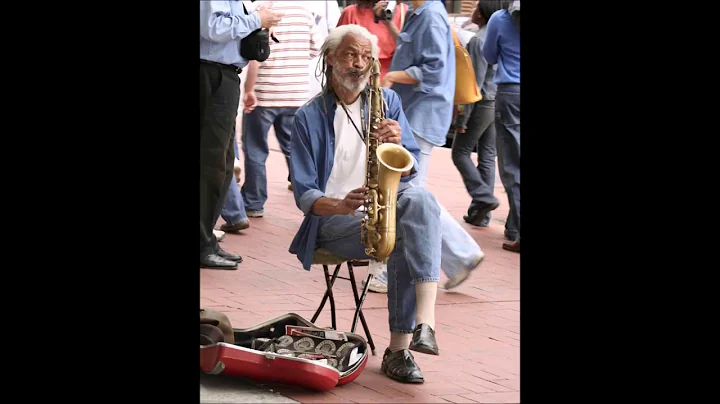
x=347, y=82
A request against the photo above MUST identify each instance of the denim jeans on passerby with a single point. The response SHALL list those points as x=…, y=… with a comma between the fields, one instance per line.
x=233, y=211
x=507, y=124
x=416, y=257
x=256, y=125
x=459, y=249
x=479, y=181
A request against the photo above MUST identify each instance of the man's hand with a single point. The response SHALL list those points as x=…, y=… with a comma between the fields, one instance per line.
x=389, y=132
x=353, y=200
x=377, y=9
x=249, y=101
x=268, y=18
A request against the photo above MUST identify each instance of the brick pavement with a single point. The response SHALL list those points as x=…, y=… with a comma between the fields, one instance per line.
x=478, y=325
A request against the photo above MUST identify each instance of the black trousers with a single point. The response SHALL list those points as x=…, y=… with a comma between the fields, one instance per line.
x=219, y=100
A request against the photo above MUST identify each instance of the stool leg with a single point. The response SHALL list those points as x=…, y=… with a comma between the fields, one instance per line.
x=362, y=317
x=332, y=298
x=329, y=282
x=359, y=301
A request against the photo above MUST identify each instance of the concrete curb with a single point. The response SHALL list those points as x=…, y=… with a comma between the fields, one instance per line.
x=226, y=390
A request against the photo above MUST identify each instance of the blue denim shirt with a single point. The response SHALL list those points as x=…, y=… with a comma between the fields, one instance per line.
x=223, y=24
x=425, y=50
x=502, y=46
x=312, y=156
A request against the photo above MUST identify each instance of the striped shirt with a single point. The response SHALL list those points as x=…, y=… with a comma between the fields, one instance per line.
x=282, y=80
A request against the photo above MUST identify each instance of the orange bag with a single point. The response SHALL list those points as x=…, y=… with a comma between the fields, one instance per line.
x=466, y=87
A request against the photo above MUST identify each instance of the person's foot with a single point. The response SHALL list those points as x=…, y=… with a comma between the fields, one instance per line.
x=464, y=273
x=401, y=366
x=255, y=213
x=214, y=261
x=376, y=286
x=235, y=228
x=513, y=246
x=219, y=235
x=478, y=214
x=423, y=340
x=229, y=256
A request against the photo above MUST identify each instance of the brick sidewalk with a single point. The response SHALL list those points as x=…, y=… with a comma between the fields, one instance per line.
x=478, y=325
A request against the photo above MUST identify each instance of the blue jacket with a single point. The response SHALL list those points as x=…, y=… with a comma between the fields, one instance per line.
x=313, y=153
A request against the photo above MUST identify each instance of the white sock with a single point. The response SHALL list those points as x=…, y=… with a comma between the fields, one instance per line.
x=399, y=341
x=425, y=295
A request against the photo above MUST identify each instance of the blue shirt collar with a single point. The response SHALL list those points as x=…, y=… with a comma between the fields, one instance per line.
x=422, y=7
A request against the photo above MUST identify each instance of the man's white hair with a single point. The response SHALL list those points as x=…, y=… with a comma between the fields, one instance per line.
x=333, y=41
x=336, y=36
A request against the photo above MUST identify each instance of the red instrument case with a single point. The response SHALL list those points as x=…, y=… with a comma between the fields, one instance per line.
x=265, y=354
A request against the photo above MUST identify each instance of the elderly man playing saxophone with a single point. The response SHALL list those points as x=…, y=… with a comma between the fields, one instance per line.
x=328, y=162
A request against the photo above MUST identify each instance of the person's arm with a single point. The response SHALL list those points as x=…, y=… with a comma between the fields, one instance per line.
x=490, y=49
x=394, y=31
x=316, y=40
x=480, y=65
x=433, y=46
x=308, y=196
x=396, y=113
x=391, y=25
x=302, y=164
x=249, y=99
x=252, y=69
x=400, y=76
x=218, y=25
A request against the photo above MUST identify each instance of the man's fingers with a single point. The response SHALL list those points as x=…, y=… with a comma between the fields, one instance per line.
x=356, y=199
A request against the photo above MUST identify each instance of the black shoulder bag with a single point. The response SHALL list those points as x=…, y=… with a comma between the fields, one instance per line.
x=256, y=46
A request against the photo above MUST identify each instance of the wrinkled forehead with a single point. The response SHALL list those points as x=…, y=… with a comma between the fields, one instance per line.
x=355, y=43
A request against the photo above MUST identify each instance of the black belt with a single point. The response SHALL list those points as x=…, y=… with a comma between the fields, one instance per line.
x=222, y=65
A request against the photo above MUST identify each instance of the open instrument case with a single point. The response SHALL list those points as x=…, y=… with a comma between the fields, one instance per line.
x=265, y=354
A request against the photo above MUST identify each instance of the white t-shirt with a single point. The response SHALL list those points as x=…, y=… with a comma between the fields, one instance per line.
x=348, y=170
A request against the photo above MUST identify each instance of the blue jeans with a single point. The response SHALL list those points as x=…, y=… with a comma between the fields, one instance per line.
x=479, y=181
x=256, y=125
x=507, y=124
x=233, y=210
x=416, y=257
x=459, y=249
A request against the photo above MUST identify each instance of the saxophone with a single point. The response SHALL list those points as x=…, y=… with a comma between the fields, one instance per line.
x=385, y=164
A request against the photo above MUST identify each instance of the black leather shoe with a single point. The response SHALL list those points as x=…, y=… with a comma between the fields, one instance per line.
x=228, y=256
x=424, y=340
x=401, y=366
x=214, y=261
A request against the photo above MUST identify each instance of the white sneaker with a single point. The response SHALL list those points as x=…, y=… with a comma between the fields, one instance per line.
x=376, y=268
x=376, y=286
x=464, y=273
x=219, y=235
